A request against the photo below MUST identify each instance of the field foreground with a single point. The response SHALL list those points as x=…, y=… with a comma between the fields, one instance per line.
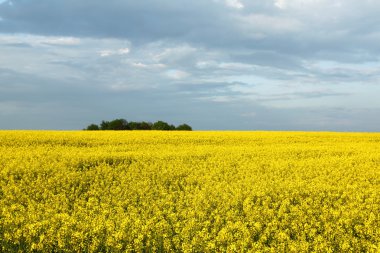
x=136, y=191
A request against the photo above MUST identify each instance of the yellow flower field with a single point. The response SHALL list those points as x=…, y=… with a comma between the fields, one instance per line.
x=135, y=191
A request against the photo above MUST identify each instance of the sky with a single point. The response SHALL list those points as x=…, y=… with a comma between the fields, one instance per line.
x=214, y=64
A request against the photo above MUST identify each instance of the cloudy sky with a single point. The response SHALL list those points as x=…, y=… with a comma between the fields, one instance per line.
x=214, y=64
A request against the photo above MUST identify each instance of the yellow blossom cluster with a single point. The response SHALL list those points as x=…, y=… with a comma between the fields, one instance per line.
x=136, y=191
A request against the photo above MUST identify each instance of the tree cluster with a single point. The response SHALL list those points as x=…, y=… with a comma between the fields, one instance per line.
x=122, y=124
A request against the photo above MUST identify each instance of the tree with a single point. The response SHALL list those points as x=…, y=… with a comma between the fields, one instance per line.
x=122, y=124
x=92, y=127
x=134, y=125
x=161, y=125
x=118, y=124
x=146, y=126
x=184, y=127
x=105, y=125
x=140, y=125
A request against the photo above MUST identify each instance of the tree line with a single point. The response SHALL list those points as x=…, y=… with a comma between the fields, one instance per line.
x=122, y=124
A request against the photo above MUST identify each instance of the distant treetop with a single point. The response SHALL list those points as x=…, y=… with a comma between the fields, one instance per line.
x=122, y=124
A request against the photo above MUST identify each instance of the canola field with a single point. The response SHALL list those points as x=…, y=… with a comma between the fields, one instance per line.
x=135, y=191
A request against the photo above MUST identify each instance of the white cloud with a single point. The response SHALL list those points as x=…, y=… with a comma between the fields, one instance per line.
x=122, y=51
x=206, y=64
x=35, y=40
x=234, y=66
x=69, y=41
x=105, y=53
x=280, y=4
x=176, y=74
x=109, y=52
x=223, y=65
x=175, y=53
x=143, y=65
x=310, y=5
x=264, y=24
x=218, y=98
x=159, y=65
x=234, y=4
x=139, y=65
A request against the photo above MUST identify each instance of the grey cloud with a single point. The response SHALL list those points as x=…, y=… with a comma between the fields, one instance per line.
x=338, y=29
x=203, y=62
x=20, y=45
x=300, y=95
x=269, y=58
x=22, y=87
x=137, y=20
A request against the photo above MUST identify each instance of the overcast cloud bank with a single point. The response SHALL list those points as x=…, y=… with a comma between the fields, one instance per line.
x=276, y=65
